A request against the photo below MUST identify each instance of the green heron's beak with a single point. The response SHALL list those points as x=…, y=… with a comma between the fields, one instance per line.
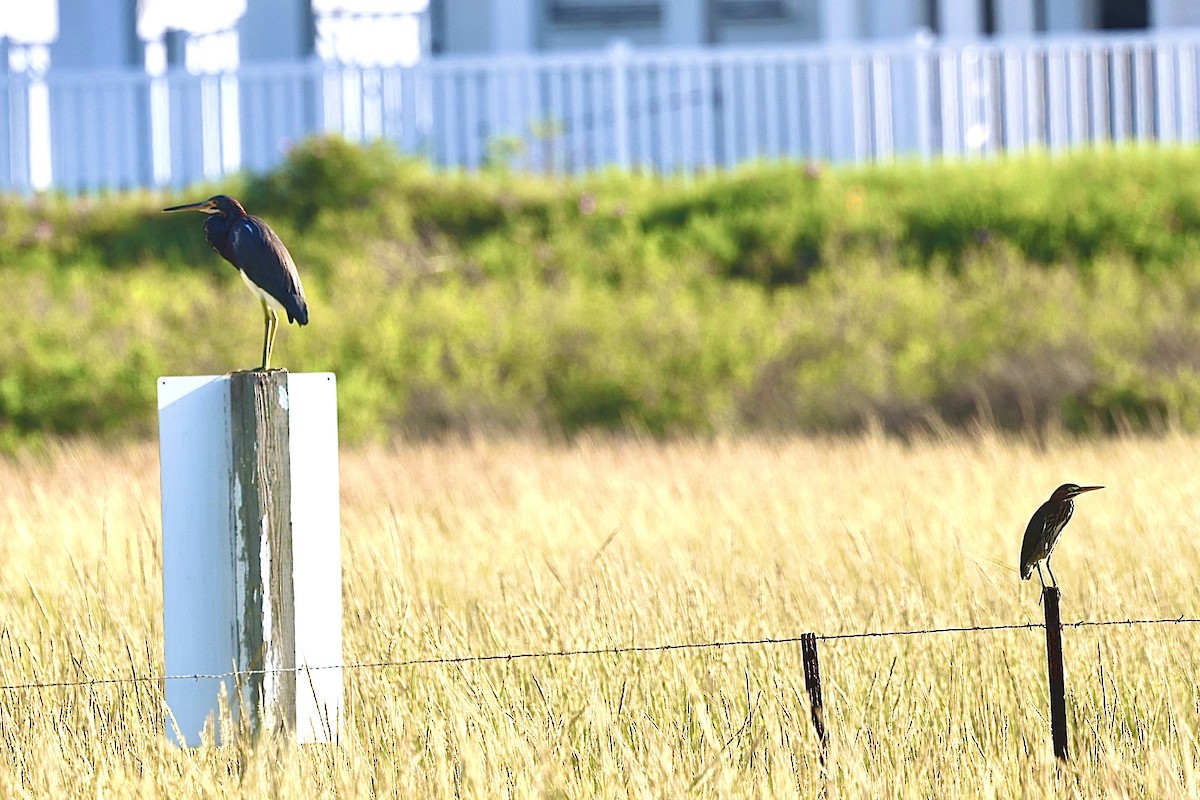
x=1083, y=489
x=203, y=205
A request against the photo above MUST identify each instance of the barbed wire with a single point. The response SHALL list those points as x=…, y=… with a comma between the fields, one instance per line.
x=573, y=653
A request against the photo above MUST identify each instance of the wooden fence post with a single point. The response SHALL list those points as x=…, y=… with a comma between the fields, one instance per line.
x=251, y=552
x=262, y=531
x=812, y=682
x=1054, y=661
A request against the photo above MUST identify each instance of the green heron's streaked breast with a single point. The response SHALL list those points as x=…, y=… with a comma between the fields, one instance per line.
x=1046, y=526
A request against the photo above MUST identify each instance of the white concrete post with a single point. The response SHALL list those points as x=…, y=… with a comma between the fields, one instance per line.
x=251, y=552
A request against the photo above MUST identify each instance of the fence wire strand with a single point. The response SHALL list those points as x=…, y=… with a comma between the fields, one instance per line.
x=626, y=650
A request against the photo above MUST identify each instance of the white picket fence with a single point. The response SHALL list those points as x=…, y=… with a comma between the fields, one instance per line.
x=666, y=110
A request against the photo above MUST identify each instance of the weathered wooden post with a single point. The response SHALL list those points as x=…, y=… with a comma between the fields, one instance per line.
x=1054, y=661
x=251, y=552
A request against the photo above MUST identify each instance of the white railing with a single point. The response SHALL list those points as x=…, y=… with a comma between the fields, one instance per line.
x=664, y=110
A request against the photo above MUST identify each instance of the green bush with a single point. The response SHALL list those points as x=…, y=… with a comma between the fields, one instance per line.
x=787, y=297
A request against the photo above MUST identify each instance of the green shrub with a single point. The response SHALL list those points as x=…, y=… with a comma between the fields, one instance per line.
x=793, y=297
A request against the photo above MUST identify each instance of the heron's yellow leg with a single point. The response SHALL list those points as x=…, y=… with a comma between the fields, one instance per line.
x=274, y=330
x=271, y=323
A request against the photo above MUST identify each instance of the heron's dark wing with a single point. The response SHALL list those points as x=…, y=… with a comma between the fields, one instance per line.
x=260, y=254
x=1035, y=535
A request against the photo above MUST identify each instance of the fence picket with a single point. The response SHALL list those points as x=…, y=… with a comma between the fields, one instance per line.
x=669, y=110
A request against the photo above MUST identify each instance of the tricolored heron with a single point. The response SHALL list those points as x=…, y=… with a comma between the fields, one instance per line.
x=261, y=259
x=1045, y=527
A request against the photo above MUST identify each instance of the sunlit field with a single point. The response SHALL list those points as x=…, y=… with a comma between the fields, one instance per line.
x=512, y=546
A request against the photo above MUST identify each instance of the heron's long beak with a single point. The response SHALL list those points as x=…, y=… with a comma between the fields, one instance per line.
x=1083, y=489
x=201, y=206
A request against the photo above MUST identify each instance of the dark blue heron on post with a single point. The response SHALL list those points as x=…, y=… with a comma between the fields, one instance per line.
x=261, y=259
x=1046, y=525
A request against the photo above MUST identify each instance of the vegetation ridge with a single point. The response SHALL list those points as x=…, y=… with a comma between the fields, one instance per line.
x=1029, y=292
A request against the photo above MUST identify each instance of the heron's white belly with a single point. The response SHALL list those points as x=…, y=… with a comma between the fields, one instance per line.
x=271, y=302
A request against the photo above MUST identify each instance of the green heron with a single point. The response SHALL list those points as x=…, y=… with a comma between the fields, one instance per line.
x=1045, y=527
x=261, y=259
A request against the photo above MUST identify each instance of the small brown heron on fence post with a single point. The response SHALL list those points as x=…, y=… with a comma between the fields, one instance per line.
x=1045, y=527
x=261, y=259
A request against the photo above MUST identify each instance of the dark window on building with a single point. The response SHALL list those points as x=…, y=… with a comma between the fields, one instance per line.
x=437, y=26
x=752, y=10
x=582, y=12
x=1124, y=15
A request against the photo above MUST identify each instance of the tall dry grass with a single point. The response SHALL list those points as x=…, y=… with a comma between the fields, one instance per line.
x=485, y=547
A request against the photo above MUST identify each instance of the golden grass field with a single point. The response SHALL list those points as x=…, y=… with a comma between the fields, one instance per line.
x=495, y=546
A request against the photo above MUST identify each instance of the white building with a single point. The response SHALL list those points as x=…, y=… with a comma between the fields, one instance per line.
x=524, y=26
x=106, y=34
